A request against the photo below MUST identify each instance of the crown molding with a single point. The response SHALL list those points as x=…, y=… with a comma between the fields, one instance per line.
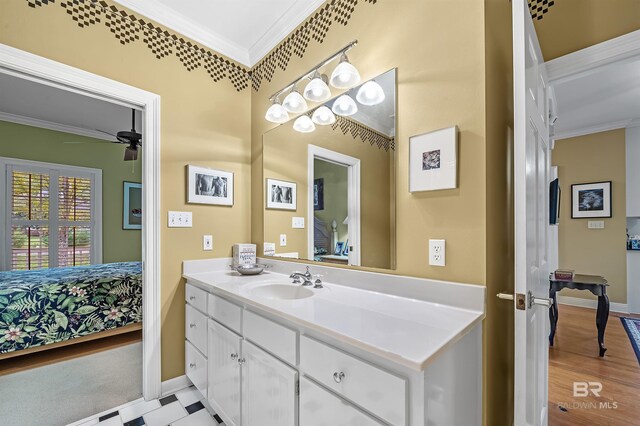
x=288, y=22
x=49, y=125
x=167, y=17
x=599, y=128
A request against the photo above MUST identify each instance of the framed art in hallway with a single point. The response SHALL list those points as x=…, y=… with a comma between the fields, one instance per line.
x=591, y=200
x=132, y=206
x=209, y=186
x=281, y=195
x=433, y=160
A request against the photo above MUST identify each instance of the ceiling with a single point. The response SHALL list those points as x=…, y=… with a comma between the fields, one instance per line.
x=243, y=30
x=605, y=99
x=34, y=104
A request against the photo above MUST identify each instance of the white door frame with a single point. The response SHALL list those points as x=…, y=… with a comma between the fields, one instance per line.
x=35, y=68
x=353, y=210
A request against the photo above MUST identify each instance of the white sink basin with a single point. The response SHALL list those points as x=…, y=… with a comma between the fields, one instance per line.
x=282, y=292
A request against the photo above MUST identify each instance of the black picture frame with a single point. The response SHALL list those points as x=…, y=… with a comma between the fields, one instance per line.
x=318, y=194
x=599, y=195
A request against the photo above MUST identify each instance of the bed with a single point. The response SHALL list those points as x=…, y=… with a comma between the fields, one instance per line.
x=50, y=307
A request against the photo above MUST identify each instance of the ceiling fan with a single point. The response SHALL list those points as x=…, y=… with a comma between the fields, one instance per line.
x=131, y=138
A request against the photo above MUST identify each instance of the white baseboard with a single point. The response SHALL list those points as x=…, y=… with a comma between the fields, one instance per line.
x=174, y=385
x=591, y=303
x=110, y=410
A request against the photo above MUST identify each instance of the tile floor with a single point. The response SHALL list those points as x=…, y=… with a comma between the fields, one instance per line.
x=184, y=408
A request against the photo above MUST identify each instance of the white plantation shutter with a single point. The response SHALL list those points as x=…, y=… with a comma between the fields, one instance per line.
x=53, y=215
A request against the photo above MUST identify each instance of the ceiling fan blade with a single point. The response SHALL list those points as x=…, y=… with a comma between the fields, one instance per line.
x=130, y=154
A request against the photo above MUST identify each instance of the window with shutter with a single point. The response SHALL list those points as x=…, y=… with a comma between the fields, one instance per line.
x=52, y=218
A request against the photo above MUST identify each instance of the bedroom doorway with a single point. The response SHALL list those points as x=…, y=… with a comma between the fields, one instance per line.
x=55, y=217
x=334, y=207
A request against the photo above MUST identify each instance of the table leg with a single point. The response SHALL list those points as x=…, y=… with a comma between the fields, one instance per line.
x=602, y=316
x=553, y=316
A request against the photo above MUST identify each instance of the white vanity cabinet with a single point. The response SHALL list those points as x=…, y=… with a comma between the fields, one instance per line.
x=224, y=372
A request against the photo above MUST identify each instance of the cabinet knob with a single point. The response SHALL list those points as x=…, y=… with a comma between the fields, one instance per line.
x=192, y=298
x=242, y=361
x=192, y=325
x=337, y=377
x=192, y=365
x=234, y=356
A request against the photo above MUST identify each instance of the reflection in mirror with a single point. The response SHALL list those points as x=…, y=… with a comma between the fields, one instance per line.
x=337, y=162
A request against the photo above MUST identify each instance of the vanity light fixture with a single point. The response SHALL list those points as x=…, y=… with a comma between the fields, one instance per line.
x=294, y=102
x=317, y=89
x=370, y=94
x=344, y=106
x=345, y=75
x=304, y=124
x=323, y=116
x=276, y=113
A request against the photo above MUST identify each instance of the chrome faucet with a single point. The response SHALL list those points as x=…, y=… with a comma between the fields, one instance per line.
x=299, y=277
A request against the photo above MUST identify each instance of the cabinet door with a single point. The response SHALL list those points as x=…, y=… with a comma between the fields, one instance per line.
x=268, y=389
x=224, y=373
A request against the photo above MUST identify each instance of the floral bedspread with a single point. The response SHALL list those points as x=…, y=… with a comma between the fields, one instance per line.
x=47, y=306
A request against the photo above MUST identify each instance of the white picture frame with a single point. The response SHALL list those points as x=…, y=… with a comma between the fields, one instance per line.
x=433, y=160
x=282, y=195
x=209, y=186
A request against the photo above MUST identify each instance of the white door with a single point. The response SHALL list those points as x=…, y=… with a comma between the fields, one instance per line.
x=268, y=389
x=224, y=373
x=531, y=152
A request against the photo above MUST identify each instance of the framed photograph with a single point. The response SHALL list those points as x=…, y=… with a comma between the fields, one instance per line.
x=591, y=200
x=345, y=251
x=339, y=248
x=433, y=160
x=281, y=195
x=209, y=186
x=132, y=206
x=318, y=194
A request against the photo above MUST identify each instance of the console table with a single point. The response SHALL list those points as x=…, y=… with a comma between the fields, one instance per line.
x=597, y=286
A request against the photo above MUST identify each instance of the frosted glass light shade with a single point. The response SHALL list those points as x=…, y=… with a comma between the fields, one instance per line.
x=345, y=75
x=323, y=116
x=276, y=113
x=303, y=124
x=370, y=94
x=345, y=106
x=294, y=102
x=317, y=90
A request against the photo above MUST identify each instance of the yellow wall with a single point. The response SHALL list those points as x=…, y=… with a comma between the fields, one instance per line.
x=286, y=157
x=32, y=143
x=594, y=158
x=204, y=122
x=571, y=25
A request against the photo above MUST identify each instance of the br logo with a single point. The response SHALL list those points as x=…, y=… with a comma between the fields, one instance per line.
x=583, y=389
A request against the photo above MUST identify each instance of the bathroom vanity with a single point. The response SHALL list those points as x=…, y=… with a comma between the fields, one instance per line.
x=364, y=349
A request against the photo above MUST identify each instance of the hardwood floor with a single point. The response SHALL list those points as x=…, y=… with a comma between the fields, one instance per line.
x=63, y=353
x=574, y=358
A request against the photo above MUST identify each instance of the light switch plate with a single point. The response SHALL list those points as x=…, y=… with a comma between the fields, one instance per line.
x=180, y=219
x=207, y=242
x=437, y=253
x=297, y=222
x=283, y=240
x=596, y=224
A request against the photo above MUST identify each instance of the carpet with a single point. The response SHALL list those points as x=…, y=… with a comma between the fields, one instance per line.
x=67, y=391
x=632, y=326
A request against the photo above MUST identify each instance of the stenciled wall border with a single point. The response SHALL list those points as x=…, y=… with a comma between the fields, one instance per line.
x=366, y=134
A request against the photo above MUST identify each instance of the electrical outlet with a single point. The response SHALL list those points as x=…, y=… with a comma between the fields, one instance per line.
x=283, y=240
x=297, y=222
x=207, y=242
x=437, y=253
x=180, y=219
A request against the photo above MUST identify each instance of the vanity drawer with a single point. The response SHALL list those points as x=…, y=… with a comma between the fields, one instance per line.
x=376, y=390
x=319, y=407
x=275, y=338
x=196, y=367
x=226, y=313
x=196, y=328
x=196, y=297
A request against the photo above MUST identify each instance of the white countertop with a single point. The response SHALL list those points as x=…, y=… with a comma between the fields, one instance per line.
x=404, y=330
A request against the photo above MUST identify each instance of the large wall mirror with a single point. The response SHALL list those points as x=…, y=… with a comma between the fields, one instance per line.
x=329, y=190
